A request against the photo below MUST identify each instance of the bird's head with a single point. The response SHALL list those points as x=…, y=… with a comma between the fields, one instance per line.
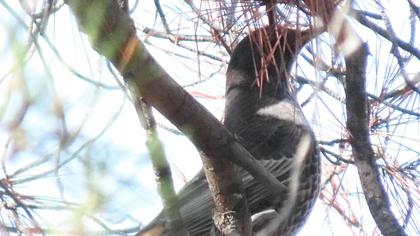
x=262, y=60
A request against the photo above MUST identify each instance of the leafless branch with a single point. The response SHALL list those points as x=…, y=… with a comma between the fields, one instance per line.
x=357, y=124
x=141, y=71
x=384, y=33
x=162, y=169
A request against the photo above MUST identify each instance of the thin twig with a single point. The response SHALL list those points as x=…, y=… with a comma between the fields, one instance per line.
x=166, y=190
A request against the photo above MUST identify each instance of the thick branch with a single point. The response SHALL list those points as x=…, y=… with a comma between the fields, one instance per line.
x=358, y=121
x=357, y=124
x=231, y=214
x=113, y=35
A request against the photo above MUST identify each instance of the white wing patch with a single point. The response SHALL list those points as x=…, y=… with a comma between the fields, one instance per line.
x=284, y=110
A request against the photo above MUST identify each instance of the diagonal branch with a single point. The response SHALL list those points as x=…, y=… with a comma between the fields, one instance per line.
x=113, y=35
x=384, y=33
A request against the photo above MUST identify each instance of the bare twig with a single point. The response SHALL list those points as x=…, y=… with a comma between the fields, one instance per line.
x=217, y=31
x=177, y=38
x=382, y=32
x=162, y=169
x=396, y=51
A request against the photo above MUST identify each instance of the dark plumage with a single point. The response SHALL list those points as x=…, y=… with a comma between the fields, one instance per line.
x=267, y=121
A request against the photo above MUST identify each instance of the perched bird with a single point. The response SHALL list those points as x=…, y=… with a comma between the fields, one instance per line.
x=263, y=115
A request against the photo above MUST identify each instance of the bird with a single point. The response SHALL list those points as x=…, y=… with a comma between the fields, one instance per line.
x=264, y=116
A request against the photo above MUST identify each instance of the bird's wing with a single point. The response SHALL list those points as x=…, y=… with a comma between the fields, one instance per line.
x=196, y=204
x=267, y=143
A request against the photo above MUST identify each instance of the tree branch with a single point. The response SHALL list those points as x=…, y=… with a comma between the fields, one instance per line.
x=231, y=214
x=382, y=32
x=358, y=119
x=162, y=169
x=358, y=126
x=113, y=35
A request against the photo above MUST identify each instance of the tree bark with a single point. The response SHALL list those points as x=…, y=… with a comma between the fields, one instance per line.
x=358, y=126
x=357, y=116
x=165, y=186
x=113, y=35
